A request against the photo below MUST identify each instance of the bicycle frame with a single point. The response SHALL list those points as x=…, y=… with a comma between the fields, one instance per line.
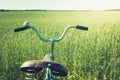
x=52, y=40
x=27, y=25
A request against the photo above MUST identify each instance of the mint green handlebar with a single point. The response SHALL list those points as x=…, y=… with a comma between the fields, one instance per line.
x=39, y=34
x=52, y=39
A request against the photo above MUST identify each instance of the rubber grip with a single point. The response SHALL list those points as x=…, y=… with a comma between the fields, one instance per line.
x=20, y=29
x=81, y=27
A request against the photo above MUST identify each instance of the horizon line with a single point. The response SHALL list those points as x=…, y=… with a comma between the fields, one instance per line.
x=55, y=9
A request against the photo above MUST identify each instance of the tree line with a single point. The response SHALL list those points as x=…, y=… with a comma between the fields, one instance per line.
x=6, y=10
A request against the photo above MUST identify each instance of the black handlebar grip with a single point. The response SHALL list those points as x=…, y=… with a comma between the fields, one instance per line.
x=20, y=29
x=81, y=27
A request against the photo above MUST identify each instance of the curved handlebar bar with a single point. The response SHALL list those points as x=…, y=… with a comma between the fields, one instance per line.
x=27, y=26
x=72, y=26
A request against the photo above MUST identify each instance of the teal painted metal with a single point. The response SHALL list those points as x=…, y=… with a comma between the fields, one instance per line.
x=52, y=40
x=49, y=75
x=39, y=34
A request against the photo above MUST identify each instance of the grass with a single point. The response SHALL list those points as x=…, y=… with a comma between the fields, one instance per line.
x=91, y=55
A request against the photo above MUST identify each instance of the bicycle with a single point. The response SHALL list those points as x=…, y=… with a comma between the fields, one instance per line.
x=50, y=68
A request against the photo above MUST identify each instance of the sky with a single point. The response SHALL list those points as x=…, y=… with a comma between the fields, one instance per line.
x=60, y=4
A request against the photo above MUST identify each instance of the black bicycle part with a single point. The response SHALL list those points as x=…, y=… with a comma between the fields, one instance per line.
x=21, y=29
x=81, y=27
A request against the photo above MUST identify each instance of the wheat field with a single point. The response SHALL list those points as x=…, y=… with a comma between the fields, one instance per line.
x=87, y=55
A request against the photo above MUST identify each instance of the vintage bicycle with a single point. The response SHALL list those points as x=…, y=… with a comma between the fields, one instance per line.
x=48, y=68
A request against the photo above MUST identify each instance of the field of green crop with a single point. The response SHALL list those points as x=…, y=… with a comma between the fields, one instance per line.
x=87, y=55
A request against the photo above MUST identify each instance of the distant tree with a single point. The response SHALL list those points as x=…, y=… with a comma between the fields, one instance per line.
x=2, y=10
x=113, y=10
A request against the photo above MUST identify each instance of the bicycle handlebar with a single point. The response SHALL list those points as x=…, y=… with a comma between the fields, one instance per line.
x=27, y=26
